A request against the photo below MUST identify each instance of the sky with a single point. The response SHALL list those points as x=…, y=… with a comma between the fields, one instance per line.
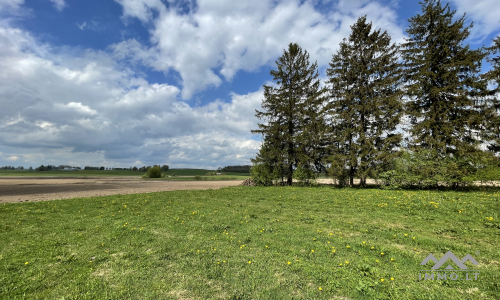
x=121, y=83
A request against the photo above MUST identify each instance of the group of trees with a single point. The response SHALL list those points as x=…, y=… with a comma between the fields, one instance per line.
x=12, y=168
x=163, y=168
x=241, y=169
x=380, y=100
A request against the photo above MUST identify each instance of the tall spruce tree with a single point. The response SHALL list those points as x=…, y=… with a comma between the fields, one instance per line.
x=492, y=132
x=443, y=80
x=364, y=80
x=291, y=114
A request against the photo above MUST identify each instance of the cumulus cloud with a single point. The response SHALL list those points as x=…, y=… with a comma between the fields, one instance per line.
x=58, y=108
x=59, y=4
x=222, y=37
x=13, y=158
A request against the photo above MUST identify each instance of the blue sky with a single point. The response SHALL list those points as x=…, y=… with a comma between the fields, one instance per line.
x=140, y=82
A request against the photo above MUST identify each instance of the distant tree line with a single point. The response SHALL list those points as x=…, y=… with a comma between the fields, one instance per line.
x=351, y=126
x=241, y=169
x=12, y=168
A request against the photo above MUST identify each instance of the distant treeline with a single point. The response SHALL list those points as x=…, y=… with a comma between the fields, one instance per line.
x=241, y=169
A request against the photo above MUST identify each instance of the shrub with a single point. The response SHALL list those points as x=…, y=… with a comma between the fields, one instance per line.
x=197, y=177
x=262, y=175
x=304, y=175
x=210, y=174
x=427, y=168
x=154, y=172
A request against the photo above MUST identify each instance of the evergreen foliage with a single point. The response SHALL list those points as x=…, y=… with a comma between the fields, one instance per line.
x=442, y=81
x=492, y=126
x=364, y=80
x=291, y=111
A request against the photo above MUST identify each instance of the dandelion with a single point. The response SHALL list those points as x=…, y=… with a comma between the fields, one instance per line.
x=406, y=234
x=348, y=246
x=364, y=242
x=373, y=248
x=26, y=263
x=320, y=289
x=392, y=259
x=382, y=253
x=392, y=278
x=289, y=262
x=249, y=261
x=312, y=251
x=413, y=237
x=376, y=261
x=346, y=262
x=382, y=279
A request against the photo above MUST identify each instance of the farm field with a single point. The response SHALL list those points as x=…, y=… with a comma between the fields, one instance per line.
x=24, y=189
x=249, y=243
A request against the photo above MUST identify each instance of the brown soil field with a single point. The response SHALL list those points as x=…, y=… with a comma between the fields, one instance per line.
x=15, y=189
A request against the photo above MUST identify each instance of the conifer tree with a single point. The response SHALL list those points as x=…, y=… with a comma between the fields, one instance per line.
x=364, y=80
x=291, y=113
x=492, y=132
x=443, y=80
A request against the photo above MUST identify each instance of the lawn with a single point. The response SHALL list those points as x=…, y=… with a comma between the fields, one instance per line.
x=249, y=243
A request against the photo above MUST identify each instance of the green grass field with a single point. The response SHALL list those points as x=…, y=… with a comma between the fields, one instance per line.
x=249, y=243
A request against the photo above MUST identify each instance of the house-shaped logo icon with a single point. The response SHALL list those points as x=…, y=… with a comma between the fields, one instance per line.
x=444, y=259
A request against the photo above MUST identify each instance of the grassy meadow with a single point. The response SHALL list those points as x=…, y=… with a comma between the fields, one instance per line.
x=249, y=243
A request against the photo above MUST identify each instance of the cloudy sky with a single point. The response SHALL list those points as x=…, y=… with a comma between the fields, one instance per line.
x=140, y=82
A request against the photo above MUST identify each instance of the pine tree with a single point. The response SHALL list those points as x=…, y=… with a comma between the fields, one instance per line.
x=291, y=113
x=492, y=114
x=364, y=79
x=442, y=76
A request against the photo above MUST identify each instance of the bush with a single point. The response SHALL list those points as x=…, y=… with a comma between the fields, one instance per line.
x=262, y=175
x=154, y=172
x=427, y=168
x=197, y=177
x=210, y=174
x=304, y=175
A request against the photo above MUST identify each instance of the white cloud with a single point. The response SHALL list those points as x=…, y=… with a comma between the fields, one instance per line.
x=59, y=4
x=13, y=158
x=228, y=36
x=58, y=109
x=82, y=26
x=10, y=5
x=484, y=13
x=81, y=108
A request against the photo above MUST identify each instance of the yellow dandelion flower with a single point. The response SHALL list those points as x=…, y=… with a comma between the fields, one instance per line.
x=348, y=246
x=376, y=261
x=249, y=261
x=373, y=248
x=320, y=289
x=364, y=242
x=392, y=278
x=26, y=263
x=382, y=279
x=382, y=253
x=289, y=262
x=312, y=250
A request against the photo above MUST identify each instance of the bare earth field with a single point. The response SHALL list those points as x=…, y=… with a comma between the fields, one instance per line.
x=15, y=189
